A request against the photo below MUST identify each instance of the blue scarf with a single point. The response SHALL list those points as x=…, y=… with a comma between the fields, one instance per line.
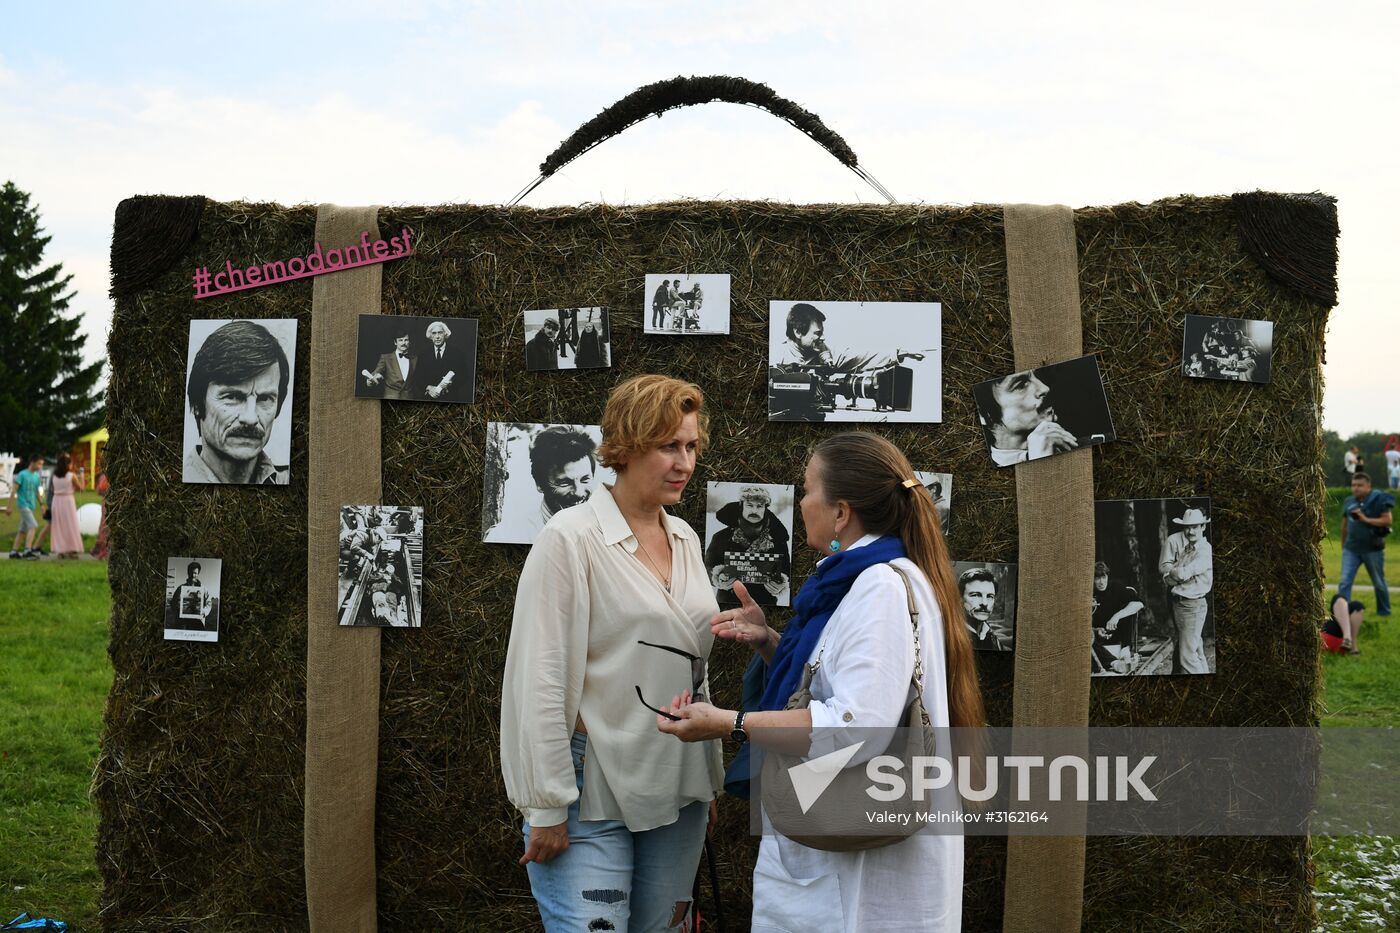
x=815, y=603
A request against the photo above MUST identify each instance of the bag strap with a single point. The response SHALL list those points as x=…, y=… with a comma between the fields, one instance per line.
x=655, y=99
x=918, y=650
x=918, y=678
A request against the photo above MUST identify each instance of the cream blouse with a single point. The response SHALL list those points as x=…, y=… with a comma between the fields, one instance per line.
x=583, y=602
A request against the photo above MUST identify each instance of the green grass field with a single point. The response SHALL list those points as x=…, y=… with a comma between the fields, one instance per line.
x=54, y=678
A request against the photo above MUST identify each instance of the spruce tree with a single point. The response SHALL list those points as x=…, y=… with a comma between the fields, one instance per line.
x=47, y=395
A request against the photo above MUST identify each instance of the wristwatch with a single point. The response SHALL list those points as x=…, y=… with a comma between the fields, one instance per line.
x=739, y=735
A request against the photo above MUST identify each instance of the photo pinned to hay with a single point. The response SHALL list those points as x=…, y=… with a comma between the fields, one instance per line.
x=748, y=538
x=855, y=361
x=412, y=358
x=1232, y=349
x=940, y=488
x=567, y=338
x=1154, y=588
x=239, y=378
x=533, y=471
x=192, y=598
x=1045, y=411
x=381, y=566
x=686, y=304
x=988, y=593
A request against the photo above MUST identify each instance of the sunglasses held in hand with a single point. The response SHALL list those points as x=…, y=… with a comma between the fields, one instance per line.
x=697, y=679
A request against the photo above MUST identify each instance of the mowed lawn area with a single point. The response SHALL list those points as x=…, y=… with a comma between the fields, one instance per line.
x=54, y=677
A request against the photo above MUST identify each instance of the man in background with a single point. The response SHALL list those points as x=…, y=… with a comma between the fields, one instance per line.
x=1187, y=566
x=397, y=369
x=542, y=350
x=1114, y=624
x=438, y=381
x=1366, y=522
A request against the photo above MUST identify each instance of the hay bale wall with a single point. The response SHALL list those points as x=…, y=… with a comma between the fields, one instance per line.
x=199, y=779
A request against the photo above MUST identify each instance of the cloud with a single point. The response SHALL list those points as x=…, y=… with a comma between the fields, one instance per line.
x=1092, y=103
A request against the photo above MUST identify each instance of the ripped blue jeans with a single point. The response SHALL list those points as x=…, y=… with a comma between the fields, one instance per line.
x=610, y=878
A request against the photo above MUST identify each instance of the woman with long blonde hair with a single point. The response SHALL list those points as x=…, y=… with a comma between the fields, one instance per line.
x=862, y=507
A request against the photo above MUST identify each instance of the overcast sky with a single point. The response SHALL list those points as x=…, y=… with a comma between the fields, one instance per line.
x=1075, y=103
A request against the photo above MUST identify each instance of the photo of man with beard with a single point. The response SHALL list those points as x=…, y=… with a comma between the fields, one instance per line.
x=748, y=539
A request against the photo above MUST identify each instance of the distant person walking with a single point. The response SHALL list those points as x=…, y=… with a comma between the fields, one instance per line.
x=1392, y=460
x=67, y=539
x=1349, y=460
x=24, y=496
x=1366, y=521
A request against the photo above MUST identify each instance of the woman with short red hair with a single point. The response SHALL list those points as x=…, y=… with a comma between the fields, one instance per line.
x=612, y=616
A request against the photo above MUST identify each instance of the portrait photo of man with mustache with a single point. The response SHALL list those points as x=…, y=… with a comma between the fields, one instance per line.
x=237, y=388
x=988, y=593
x=1041, y=412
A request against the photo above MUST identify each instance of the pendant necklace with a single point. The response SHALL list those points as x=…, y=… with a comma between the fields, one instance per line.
x=665, y=580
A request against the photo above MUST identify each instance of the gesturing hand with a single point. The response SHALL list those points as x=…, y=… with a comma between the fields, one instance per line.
x=745, y=624
x=546, y=842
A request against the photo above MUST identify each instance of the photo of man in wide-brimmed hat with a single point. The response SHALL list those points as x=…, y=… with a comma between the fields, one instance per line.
x=1187, y=568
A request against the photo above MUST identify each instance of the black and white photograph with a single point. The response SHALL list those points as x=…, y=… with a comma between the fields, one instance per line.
x=686, y=304
x=855, y=361
x=988, y=593
x=567, y=338
x=1227, y=348
x=748, y=539
x=1154, y=580
x=1042, y=412
x=238, y=393
x=940, y=488
x=381, y=566
x=192, y=598
x=416, y=359
x=533, y=471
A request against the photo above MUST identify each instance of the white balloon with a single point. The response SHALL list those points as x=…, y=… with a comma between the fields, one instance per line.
x=90, y=518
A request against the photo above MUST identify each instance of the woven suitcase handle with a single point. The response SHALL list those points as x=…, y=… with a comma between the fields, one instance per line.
x=655, y=99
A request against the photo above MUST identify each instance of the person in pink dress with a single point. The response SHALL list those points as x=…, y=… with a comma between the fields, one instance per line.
x=67, y=539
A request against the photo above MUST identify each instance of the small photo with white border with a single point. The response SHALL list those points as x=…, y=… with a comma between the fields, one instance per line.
x=988, y=593
x=192, y=598
x=748, y=539
x=381, y=566
x=940, y=488
x=686, y=304
x=855, y=361
x=567, y=338
x=1232, y=349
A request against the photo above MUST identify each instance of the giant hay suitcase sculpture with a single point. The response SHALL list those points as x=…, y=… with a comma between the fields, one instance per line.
x=294, y=775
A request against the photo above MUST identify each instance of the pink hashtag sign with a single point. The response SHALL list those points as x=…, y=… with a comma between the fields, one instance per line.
x=234, y=279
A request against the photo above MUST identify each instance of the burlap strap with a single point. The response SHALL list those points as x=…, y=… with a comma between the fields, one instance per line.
x=342, y=665
x=1055, y=506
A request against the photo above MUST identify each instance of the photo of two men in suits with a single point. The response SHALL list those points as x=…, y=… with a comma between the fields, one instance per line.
x=416, y=358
